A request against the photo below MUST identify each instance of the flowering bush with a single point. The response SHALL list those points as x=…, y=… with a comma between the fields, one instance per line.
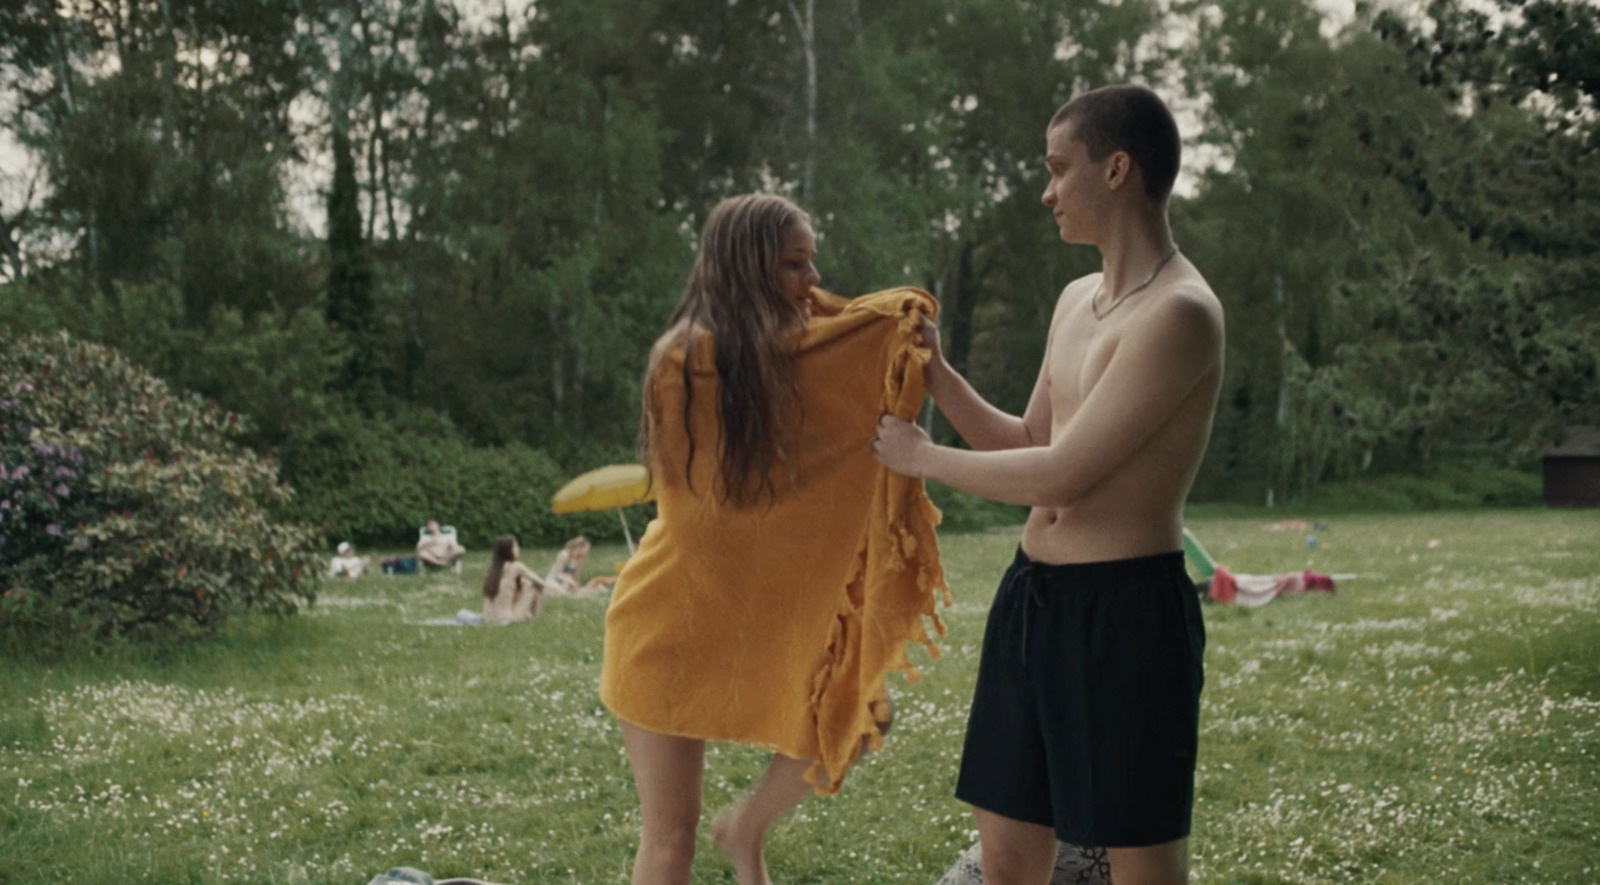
x=42, y=496
x=43, y=486
x=131, y=510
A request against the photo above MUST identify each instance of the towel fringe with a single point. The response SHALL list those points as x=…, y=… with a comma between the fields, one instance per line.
x=848, y=685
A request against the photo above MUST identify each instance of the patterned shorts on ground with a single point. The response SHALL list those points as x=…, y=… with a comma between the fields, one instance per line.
x=1075, y=865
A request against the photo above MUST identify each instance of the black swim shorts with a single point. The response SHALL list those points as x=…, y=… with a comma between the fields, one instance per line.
x=1087, y=708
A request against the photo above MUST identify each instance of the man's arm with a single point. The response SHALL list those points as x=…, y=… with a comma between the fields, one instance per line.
x=1156, y=367
x=984, y=427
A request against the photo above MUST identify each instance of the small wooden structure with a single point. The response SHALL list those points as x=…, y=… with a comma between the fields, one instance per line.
x=1572, y=469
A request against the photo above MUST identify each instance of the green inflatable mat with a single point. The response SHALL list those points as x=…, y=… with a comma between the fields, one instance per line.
x=1199, y=560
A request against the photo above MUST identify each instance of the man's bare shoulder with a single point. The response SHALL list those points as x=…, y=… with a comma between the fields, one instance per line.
x=1080, y=288
x=1075, y=293
x=1194, y=286
x=1191, y=298
x=1188, y=317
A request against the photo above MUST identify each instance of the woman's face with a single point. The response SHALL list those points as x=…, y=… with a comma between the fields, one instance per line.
x=797, y=267
x=516, y=551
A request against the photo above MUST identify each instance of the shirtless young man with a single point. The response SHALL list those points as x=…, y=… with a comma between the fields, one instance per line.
x=1084, y=722
x=435, y=547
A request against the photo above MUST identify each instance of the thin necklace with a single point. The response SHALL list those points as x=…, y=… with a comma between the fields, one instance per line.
x=1117, y=302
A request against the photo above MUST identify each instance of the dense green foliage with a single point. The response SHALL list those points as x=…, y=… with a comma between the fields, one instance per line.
x=128, y=510
x=962, y=512
x=1399, y=288
x=1445, y=488
x=375, y=483
x=329, y=213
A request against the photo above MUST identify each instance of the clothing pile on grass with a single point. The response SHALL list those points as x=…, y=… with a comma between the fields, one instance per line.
x=1220, y=585
x=412, y=876
x=1075, y=865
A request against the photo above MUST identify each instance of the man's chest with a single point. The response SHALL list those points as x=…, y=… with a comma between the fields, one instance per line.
x=1079, y=355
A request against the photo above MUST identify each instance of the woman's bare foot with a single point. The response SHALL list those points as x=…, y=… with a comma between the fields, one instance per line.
x=742, y=849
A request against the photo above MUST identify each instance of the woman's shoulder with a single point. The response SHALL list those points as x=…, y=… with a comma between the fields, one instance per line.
x=677, y=338
x=669, y=351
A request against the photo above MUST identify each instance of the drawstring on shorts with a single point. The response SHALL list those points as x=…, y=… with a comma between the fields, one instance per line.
x=1029, y=578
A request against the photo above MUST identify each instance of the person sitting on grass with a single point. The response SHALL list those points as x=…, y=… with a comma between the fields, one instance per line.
x=511, y=592
x=346, y=564
x=563, y=575
x=437, y=549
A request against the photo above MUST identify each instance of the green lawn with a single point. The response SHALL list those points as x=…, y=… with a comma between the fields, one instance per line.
x=1437, y=720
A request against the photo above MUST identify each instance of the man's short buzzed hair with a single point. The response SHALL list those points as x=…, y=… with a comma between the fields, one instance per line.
x=1131, y=119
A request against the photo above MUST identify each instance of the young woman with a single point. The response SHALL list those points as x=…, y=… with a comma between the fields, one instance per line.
x=510, y=591
x=777, y=584
x=749, y=292
x=563, y=575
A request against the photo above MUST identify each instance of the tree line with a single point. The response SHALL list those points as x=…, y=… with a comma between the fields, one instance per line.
x=1401, y=213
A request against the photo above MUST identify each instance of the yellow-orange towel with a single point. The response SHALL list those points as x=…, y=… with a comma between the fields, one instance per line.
x=774, y=626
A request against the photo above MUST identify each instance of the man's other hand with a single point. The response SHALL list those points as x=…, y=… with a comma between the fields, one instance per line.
x=900, y=445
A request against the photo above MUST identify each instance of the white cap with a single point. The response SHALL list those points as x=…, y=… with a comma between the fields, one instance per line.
x=344, y=546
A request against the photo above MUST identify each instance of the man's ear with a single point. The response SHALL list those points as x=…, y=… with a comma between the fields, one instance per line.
x=1119, y=170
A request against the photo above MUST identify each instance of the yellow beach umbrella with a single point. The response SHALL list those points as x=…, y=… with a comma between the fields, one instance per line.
x=616, y=486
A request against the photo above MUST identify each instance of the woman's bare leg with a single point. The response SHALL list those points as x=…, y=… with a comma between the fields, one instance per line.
x=666, y=773
x=740, y=830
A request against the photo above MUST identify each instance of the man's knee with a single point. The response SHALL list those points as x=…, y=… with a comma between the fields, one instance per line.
x=1014, y=852
x=1165, y=864
x=1001, y=868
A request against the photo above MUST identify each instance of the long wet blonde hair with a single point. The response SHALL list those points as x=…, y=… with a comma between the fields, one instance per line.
x=733, y=295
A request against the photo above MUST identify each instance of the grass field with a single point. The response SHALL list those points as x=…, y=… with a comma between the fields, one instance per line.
x=1437, y=720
